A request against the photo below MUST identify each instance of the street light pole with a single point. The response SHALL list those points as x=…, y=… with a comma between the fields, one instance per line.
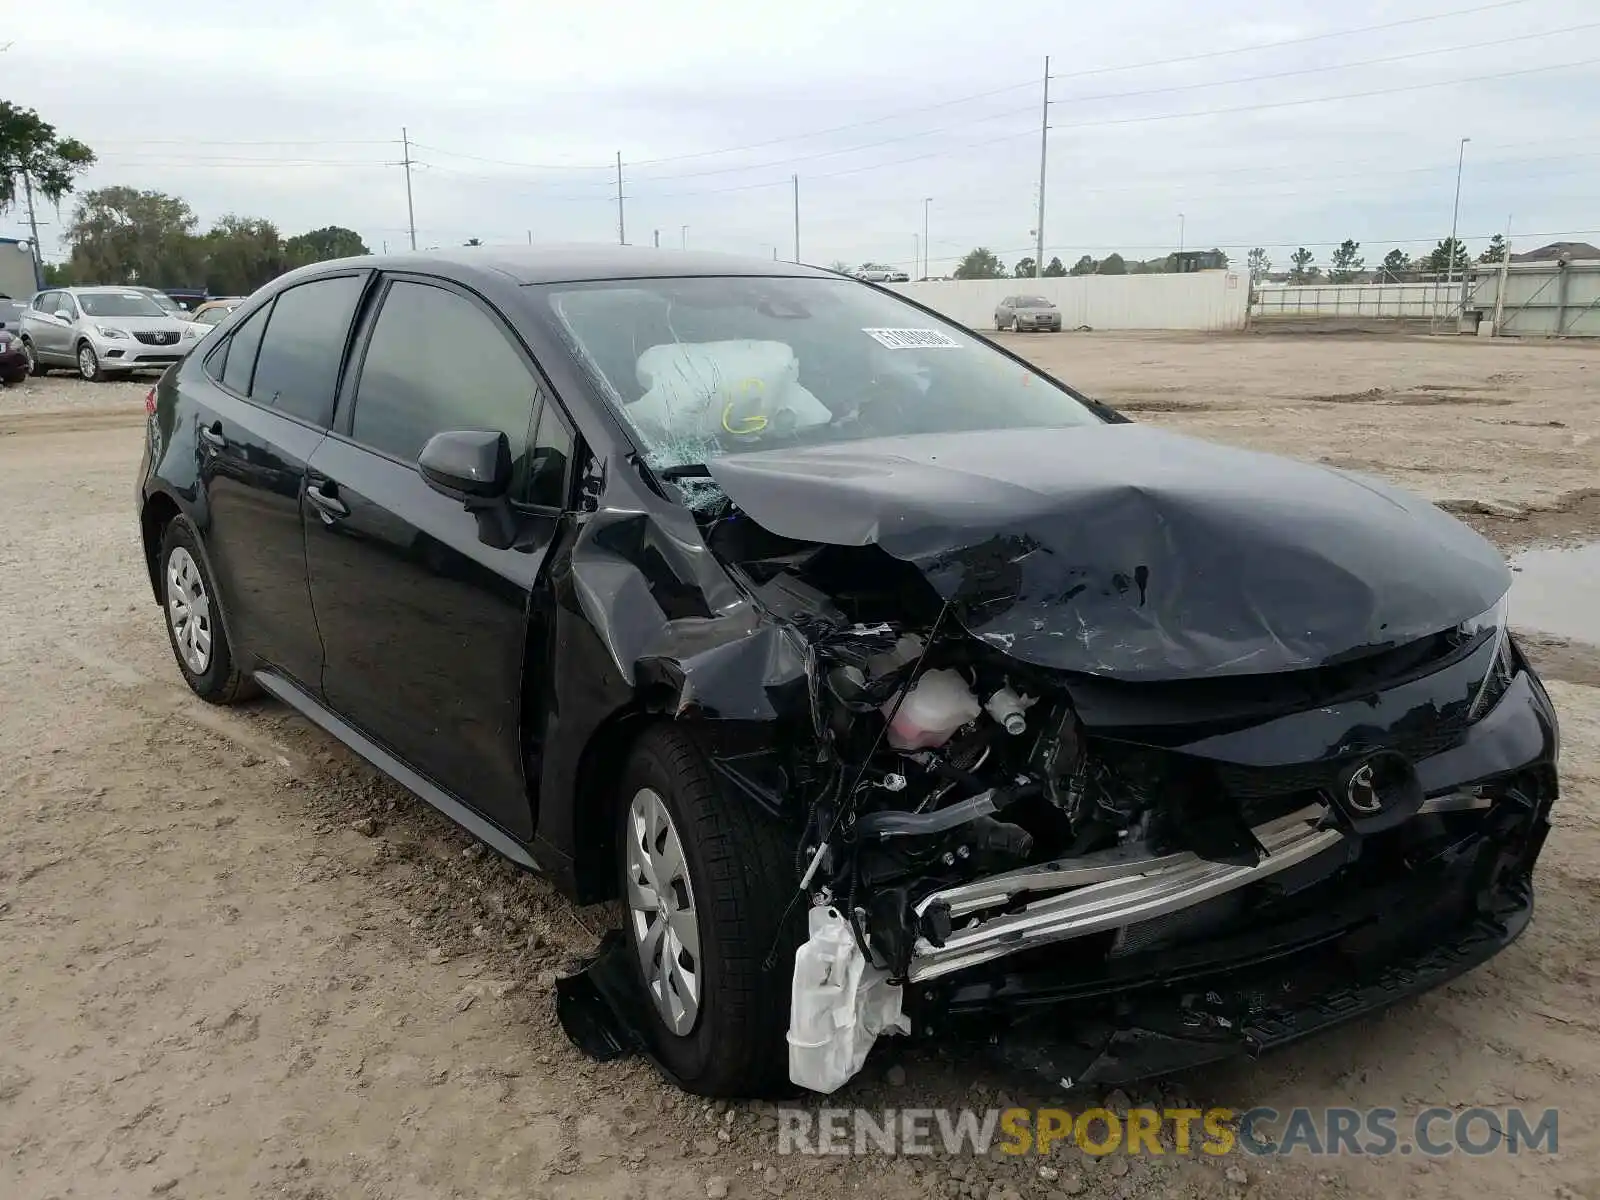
x=1180, y=239
x=1455, y=213
x=683, y=237
x=926, y=269
x=1044, y=148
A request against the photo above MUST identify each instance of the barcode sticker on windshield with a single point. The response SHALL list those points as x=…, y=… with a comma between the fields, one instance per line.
x=913, y=339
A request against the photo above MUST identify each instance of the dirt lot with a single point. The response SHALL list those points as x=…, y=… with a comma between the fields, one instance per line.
x=235, y=962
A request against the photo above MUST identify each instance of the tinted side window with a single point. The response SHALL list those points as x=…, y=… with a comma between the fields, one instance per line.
x=241, y=352
x=547, y=462
x=298, y=367
x=436, y=362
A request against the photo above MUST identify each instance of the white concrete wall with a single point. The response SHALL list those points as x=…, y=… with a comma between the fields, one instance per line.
x=1207, y=300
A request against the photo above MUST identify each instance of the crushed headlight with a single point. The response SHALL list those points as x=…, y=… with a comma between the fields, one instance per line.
x=1491, y=623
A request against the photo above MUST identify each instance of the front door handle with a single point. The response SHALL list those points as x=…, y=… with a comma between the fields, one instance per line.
x=325, y=497
x=212, y=436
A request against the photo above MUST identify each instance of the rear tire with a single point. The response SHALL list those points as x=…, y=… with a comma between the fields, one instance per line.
x=194, y=619
x=733, y=878
x=35, y=367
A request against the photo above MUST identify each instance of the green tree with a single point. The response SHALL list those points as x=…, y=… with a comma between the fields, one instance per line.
x=1347, y=262
x=123, y=235
x=1303, y=271
x=1053, y=269
x=58, y=275
x=1396, y=264
x=1113, y=264
x=980, y=263
x=1084, y=266
x=1023, y=269
x=241, y=254
x=839, y=267
x=33, y=154
x=1496, y=250
x=1259, y=265
x=1440, y=258
x=320, y=245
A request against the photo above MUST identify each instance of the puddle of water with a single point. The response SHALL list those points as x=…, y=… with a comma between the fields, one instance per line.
x=1557, y=591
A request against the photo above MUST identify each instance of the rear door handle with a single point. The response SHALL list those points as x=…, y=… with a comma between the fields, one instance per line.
x=212, y=436
x=324, y=495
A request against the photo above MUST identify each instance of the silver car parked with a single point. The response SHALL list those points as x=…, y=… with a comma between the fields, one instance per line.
x=102, y=331
x=1027, y=312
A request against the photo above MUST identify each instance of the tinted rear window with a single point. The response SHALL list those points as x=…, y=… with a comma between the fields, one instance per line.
x=298, y=367
x=241, y=352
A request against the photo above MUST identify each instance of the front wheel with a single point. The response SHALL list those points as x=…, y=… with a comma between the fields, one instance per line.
x=35, y=367
x=89, y=364
x=705, y=881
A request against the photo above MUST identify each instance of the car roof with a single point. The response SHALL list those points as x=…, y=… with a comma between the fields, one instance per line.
x=118, y=289
x=581, y=262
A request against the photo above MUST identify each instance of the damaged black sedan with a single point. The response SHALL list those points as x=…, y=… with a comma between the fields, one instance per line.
x=889, y=684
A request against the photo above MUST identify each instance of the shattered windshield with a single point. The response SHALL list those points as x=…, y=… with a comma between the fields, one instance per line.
x=704, y=367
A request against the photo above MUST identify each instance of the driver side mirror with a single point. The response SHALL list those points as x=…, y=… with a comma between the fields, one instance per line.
x=474, y=467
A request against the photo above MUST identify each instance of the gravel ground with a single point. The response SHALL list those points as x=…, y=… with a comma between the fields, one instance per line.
x=234, y=961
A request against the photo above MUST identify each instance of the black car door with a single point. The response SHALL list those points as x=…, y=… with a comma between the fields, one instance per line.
x=425, y=626
x=262, y=403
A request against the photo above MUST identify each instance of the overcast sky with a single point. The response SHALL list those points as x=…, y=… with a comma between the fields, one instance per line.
x=292, y=111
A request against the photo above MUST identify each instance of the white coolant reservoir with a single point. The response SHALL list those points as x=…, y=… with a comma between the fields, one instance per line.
x=838, y=1005
x=938, y=704
x=1007, y=708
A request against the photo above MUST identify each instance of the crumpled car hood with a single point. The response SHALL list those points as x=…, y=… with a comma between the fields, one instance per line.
x=1133, y=553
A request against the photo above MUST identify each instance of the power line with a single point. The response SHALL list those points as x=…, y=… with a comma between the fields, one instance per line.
x=1298, y=41
x=1257, y=47
x=1367, y=62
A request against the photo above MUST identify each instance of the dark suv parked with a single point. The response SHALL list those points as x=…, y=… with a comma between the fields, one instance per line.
x=737, y=589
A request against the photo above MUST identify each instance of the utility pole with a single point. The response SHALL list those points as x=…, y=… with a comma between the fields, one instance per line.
x=530, y=237
x=658, y=239
x=1180, y=241
x=797, y=218
x=33, y=232
x=683, y=237
x=1505, y=271
x=622, y=234
x=411, y=214
x=1044, y=147
x=916, y=254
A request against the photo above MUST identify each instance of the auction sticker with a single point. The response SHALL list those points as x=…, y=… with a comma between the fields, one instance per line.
x=913, y=339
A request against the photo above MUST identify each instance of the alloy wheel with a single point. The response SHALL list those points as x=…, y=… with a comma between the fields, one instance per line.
x=27, y=353
x=88, y=365
x=661, y=912
x=189, y=610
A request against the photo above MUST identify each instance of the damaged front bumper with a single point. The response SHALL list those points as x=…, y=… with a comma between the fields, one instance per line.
x=1144, y=968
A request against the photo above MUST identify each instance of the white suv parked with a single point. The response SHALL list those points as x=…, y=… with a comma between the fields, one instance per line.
x=102, y=331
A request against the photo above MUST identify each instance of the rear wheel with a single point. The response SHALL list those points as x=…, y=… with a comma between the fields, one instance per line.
x=89, y=363
x=704, y=881
x=194, y=619
x=35, y=367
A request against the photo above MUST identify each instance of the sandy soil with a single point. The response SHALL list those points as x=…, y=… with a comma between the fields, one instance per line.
x=236, y=962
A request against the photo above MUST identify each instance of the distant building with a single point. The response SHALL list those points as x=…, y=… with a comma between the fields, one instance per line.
x=1559, y=252
x=17, y=278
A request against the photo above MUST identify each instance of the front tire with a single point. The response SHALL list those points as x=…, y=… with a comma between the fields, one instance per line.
x=194, y=619
x=35, y=367
x=705, y=879
x=89, y=363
